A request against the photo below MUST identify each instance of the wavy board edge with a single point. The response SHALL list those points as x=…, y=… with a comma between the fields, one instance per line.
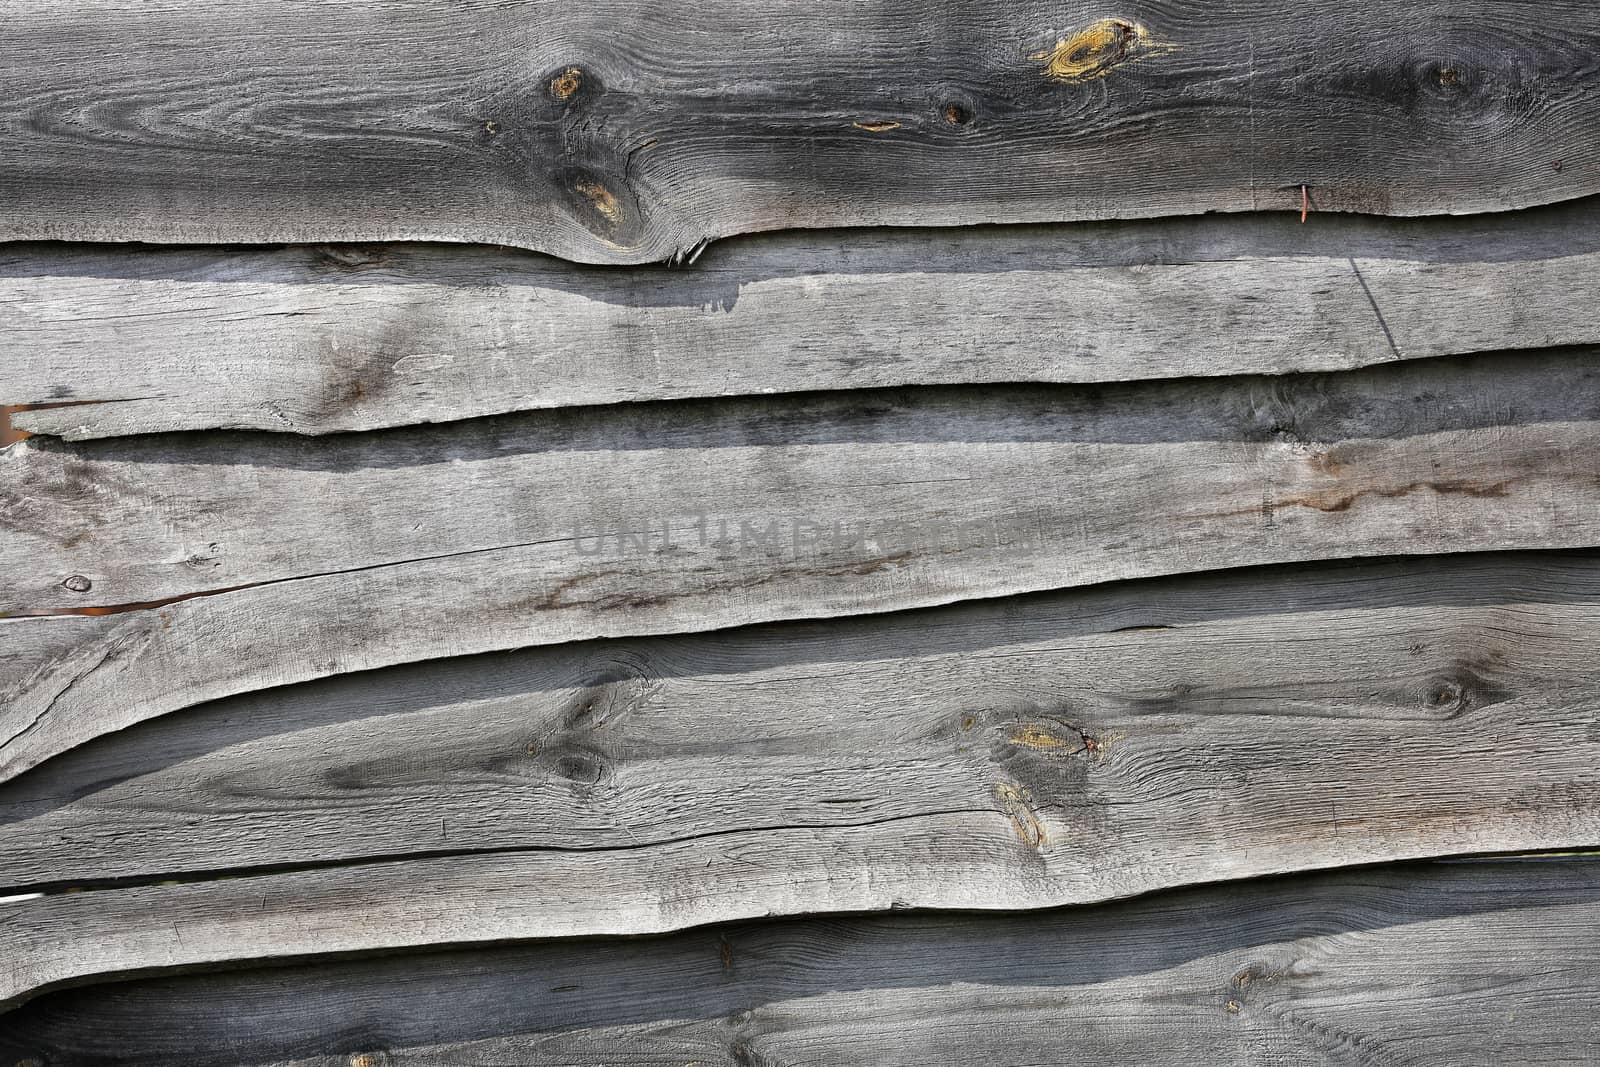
x=326, y=339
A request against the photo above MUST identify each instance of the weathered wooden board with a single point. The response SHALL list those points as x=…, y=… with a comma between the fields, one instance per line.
x=619, y=132
x=1147, y=732
x=313, y=340
x=1472, y=963
x=927, y=632
x=1052, y=749
x=304, y=558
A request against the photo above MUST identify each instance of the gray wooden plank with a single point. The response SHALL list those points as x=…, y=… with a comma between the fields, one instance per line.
x=617, y=132
x=1152, y=712
x=1485, y=963
x=316, y=340
x=1051, y=750
x=302, y=559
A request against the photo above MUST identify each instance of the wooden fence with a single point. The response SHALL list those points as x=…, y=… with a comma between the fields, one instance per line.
x=844, y=532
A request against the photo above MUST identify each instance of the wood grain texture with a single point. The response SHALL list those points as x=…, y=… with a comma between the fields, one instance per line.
x=617, y=132
x=1475, y=964
x=316, y=558
x=1053, y=749
x=1140, y=720
x=315, y=340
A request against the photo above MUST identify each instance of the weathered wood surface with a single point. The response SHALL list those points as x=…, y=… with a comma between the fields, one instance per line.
x=369, y=550
x=616, y=132
x=1045, y=582
x=1486, y=963
x=1051, y=749
x=315, y=340
x=1139, y=719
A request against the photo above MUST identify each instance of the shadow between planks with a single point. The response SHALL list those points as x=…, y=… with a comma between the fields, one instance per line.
x=1058, y=748
x=1471, y=963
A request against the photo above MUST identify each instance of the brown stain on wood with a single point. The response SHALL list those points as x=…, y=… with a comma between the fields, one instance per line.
x=1032, y=736
x=1016, y=806
x=603, y=200
x=1098, y=49
x=144, y=605
x=1330, y=502
x=564, y=85
x=1046, y=736
x=1333, y=501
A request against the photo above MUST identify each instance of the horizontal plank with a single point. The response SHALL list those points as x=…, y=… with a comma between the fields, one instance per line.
x=615, y=133
x=1480, y=963
x=302, y=559
x=1151, y=712
x=316, y=340
x=1047, y=750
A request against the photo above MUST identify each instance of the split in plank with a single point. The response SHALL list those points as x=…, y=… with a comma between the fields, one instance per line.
x=316, y=340
x=612, y=132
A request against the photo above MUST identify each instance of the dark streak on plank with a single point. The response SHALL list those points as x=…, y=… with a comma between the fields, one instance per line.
x=614, y=132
